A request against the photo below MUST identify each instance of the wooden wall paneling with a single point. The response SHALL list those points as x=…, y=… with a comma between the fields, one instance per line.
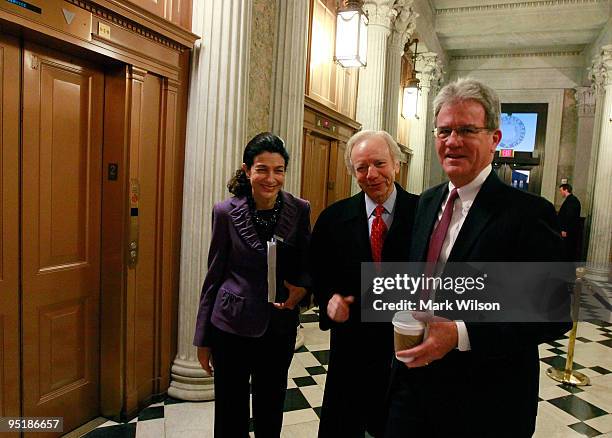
x=402, y=177
x=137, y=37
x=323, y=71
x=148, y=289
x=341, y=127
x=175, y=11
x=61, y=208
x=181, y=13
x=10, y=65
x=330, y=176
x=144, y=288
x=154, y=6
x=338, y=173
x=114, y=242
x=135, y=107
x=173, y=28
x=309, y=46
x=131, y=48
x=167, y=246
x=314, y=173
x=179, y=166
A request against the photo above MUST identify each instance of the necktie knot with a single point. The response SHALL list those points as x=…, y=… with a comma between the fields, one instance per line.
x=439, y=233
x=453, y=195
x=380, y=209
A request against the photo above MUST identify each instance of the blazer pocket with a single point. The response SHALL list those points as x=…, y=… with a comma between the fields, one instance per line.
x=230, y=303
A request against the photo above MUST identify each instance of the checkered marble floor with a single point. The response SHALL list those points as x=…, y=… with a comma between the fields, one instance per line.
x=563, y=411
x=595, y=301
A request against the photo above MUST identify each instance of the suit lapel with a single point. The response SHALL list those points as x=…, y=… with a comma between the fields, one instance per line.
x=400, y=211
x=357, y=225
x=243, y=223
x=287, y=222
x=482, y=211
x=426, y=216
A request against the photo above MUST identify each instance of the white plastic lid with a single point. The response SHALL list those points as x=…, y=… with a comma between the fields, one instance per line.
x=405, y=323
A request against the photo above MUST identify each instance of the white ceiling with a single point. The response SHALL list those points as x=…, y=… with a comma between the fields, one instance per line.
x=477, y=27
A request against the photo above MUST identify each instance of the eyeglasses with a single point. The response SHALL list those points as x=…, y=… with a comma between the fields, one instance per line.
x=467, y=131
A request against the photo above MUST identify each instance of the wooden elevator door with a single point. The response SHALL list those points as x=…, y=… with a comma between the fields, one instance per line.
x=62, y=125
x=9, y=228
x=325, y=179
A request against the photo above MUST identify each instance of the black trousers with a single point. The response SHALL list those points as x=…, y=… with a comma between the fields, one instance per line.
x=265, y=360
x=357, y=381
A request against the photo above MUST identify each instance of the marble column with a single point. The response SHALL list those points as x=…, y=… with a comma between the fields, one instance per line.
x=371, y=90
x=371, y=93
x=585, y=106
x=216, y=134
x=430, y=74
x=288, y=80
x=600, y=240
x=402, y=31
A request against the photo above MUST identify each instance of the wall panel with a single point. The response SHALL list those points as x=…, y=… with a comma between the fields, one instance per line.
x=9, y=226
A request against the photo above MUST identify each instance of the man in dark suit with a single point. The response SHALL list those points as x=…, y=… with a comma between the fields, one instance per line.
x=569, y=220
x=473, y=379
x=373, y=225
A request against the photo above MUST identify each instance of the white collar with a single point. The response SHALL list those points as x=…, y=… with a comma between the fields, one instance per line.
x=469, y=191
x=388, y=204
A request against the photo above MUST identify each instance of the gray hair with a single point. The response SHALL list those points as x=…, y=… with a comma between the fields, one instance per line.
x=471, y=89
x=362, y=136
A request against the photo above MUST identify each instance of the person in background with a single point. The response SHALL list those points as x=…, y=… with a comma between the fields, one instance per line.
x=372, y=226
x=239, y=334
x=569, y=220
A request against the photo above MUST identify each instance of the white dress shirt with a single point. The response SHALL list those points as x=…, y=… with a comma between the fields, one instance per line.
x=462, y=206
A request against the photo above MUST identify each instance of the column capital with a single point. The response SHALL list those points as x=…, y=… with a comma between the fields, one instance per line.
x=585, y=101
x=430, y=70
x=403, y=26
x=601, y=68
x=380, y=12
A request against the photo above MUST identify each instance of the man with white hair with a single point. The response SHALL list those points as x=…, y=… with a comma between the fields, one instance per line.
x=372, y=226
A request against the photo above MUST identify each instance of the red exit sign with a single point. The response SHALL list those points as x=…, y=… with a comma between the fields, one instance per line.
x=506, y=153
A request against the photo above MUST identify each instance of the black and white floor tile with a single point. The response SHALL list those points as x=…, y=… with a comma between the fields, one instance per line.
x=564, y=411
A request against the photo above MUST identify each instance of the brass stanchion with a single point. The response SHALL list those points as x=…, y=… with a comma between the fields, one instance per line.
x=569, y=376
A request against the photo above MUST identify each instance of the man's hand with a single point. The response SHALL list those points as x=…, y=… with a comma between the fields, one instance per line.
x=296, y=294
x=205, y=359
x=442, y=338
x=338, y=307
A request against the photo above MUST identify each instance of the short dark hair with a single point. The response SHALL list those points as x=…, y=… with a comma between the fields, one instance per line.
x=239, y=184
x=567, y=187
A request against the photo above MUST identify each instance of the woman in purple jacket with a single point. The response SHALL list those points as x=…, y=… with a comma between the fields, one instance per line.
x=237, y=330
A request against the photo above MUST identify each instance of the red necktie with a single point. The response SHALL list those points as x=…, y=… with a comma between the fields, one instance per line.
x=436, y=241
x=377, y=236
x=439, y=234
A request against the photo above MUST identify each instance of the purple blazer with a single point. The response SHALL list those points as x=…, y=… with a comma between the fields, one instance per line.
x=235, y=292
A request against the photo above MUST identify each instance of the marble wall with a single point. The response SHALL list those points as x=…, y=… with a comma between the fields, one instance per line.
x=567, y=142
x=263, y=33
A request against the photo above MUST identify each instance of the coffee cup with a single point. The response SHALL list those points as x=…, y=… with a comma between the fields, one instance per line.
x=407, y=332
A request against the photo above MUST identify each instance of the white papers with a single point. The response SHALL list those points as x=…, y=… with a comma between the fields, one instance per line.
x=272, y=271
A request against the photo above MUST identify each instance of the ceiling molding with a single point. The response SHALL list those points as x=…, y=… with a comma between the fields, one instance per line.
x=517, y=55
x=521, y=5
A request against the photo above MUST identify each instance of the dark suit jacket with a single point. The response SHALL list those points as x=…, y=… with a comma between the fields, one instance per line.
x=491, y=390
x=569, y=213
x=235, y=292
x=360, y=352
x=569, y=221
